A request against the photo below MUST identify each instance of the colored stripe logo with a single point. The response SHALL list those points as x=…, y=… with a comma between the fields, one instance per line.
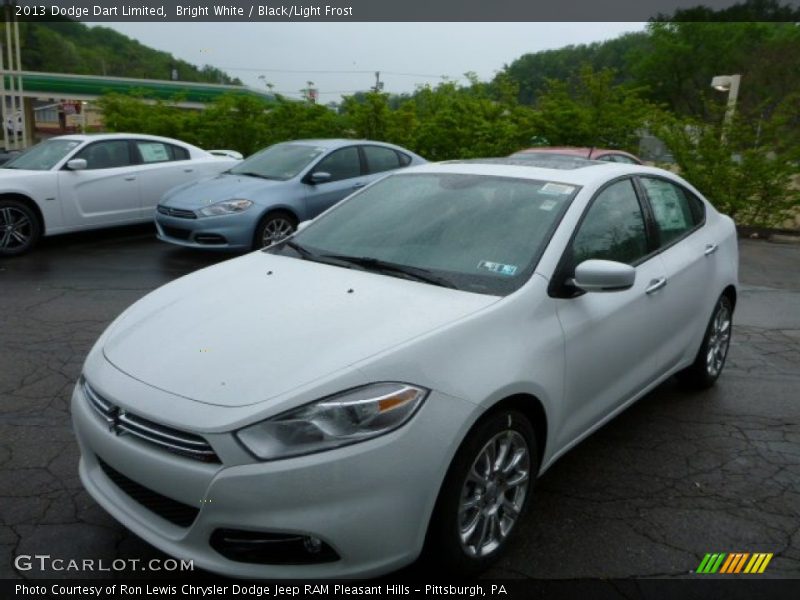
x=734, y=563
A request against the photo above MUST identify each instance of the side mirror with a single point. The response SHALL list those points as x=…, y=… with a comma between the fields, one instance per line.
x=319, y=177
x=77, y=164
x=302, y=225
x=604, y=276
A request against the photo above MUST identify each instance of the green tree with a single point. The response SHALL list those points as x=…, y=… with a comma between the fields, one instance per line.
x=744, y=166
x=590, y=110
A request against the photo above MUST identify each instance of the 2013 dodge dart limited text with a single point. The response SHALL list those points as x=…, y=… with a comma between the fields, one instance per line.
x=391, y=379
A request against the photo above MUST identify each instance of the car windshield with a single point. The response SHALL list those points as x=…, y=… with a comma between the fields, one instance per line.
x=477, y=233
x=281, y=161
x=44, y=156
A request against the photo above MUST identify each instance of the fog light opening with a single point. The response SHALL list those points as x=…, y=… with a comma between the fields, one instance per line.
x=271, y=548
x=312, y=545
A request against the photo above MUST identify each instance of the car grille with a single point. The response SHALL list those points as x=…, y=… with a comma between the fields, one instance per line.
x=180, y=213
x=171, y=510
x=177, y=232
x=171, y=440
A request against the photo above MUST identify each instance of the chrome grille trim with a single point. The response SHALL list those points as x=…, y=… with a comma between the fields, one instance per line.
x=180, y=213
x=173, y=440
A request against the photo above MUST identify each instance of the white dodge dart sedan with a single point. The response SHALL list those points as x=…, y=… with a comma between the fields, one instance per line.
x=392, y=379
x=79, y=182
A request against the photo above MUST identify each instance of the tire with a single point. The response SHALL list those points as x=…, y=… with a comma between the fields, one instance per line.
x=710, y=359
x=19, y=228
x=273, y=228
x=461, y=507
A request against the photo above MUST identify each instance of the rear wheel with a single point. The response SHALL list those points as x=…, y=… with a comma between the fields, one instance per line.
x=710, y=359
x=485, y=494
x=19, y=228
x=273, y=228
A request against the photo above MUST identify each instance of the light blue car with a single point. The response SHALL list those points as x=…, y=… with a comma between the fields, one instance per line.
x=261, y=200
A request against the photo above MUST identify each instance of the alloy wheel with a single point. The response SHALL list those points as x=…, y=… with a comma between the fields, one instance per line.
x=276, y=230
x=718, y=340
x=16, y=229
x=494, y=493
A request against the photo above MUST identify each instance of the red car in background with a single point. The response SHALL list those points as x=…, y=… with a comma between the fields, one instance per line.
x=587, y=153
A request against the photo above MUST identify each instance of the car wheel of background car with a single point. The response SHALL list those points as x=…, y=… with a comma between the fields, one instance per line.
x=19, y=228
x=485, y=494
x=710, y=358
x=273, y=228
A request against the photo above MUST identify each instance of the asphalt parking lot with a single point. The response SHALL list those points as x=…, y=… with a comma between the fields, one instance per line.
x=676, y=476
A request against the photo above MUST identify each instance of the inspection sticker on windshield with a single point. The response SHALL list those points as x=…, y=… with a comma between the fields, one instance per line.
x=498, y=268
x=557, y=188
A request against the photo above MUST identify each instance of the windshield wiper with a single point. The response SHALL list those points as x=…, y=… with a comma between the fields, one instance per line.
x=382, y=266
x=301, y=250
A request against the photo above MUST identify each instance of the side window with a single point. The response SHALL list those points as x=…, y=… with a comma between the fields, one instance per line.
x=405, y=159
x=613, y=229
x=621, y=158
x=674, y=210
x=380, y=159
x=106, y=155
x=154, y=152
x=179, y=153
x=341, y=164
x=606, y=158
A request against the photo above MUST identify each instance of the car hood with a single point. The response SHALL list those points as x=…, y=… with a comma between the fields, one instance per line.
x=19, y=173
x=259, y=326
x=224, y=186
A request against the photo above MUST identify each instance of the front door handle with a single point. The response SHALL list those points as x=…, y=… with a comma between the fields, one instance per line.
x=188, y=170
x=358, y=185
x=710, y=249
x=655, y=285
x=131, y=178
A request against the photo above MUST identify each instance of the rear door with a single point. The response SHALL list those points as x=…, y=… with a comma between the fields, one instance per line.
x=611, y=338
x=162, y=166
x=689, y=255
x=106, y=192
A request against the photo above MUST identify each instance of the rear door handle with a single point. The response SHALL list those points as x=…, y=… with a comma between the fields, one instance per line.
x=188, y=170
x=358, y=185
x=131, y=178
x=655, y=285
x=710, y=249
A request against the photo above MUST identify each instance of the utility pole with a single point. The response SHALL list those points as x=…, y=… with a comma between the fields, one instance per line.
x=14, y=139
x=378, y=87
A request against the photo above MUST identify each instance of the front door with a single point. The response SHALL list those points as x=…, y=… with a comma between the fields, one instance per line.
x=106, y=192
x=344, y=167
x=611, y=338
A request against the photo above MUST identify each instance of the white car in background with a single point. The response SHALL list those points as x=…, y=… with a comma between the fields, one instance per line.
x=79, y=182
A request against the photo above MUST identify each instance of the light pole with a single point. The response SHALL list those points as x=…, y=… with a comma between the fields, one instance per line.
x=730, y=84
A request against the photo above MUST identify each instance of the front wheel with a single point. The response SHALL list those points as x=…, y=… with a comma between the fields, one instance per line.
x=485, y=494
x=19, y=228
x=273, y=228
x=713, y=351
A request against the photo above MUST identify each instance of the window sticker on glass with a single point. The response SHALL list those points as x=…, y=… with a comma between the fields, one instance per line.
x=557, y=189
x=666, y=205
x=548, y=204
x=499, y=268
x=154, y=152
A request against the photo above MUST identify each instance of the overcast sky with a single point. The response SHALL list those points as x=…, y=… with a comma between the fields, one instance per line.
x=407, y=54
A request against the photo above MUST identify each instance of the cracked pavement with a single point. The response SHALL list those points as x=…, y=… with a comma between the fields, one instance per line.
x=674, y=477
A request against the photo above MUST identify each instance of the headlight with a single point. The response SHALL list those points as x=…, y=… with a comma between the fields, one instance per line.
x=226, y=207
x=346, y=418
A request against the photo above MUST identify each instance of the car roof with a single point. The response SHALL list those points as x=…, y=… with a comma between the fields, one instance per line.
x=82, y=137
x=592, y=173
x=330, y=143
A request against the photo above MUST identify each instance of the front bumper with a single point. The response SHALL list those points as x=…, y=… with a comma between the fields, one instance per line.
x=370, y=502
x=224, y=232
